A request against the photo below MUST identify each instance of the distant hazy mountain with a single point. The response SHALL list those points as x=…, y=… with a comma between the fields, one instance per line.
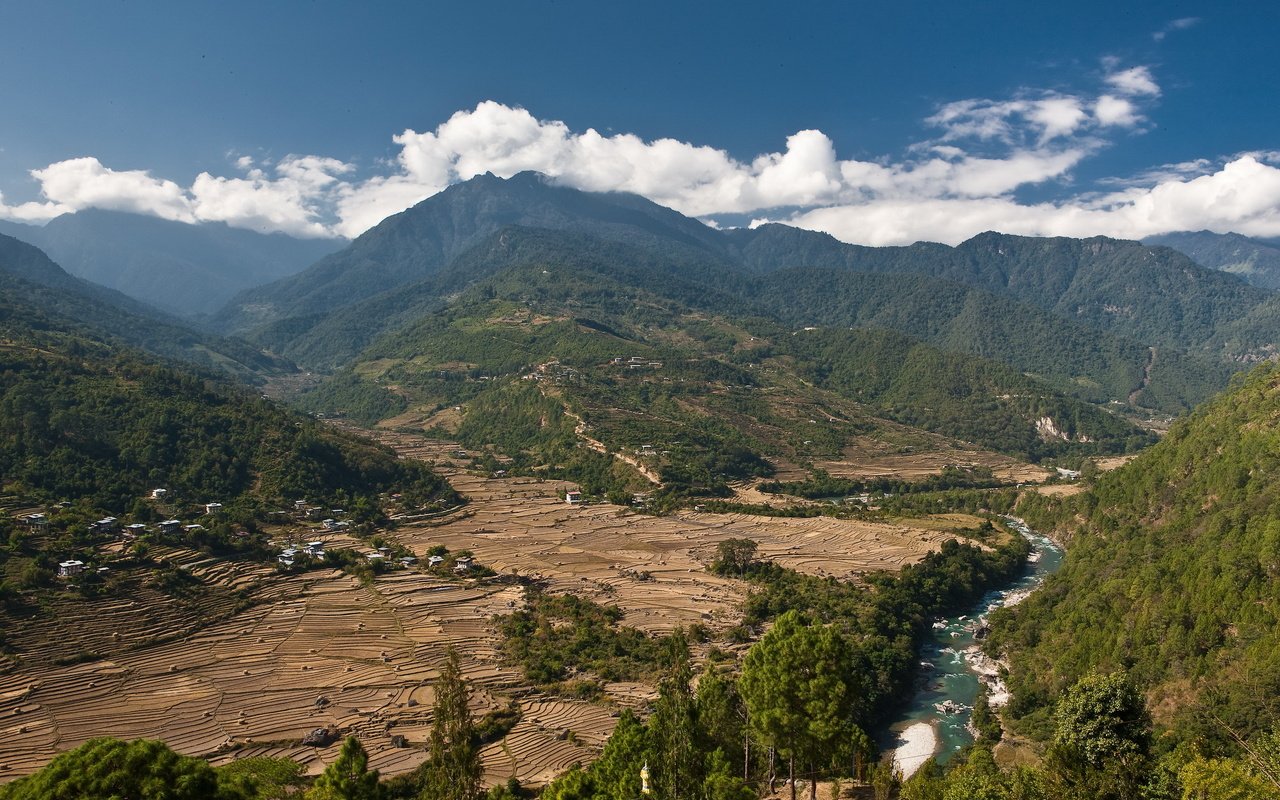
x=1255, y=260
x=30, y=279
x=181, y=268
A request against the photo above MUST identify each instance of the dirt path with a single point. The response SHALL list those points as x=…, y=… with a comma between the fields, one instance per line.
x=580, y=430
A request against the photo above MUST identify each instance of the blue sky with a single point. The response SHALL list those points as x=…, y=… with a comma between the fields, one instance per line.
x=879, y=122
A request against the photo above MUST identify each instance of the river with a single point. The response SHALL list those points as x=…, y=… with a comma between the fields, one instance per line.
x=936, y=722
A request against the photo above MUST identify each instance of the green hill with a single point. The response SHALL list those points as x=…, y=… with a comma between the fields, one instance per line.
x=566, y=335
x=182, y=268
x=85, y=420
x=1255, y=260
x=1083, y=315
x=30, y=280
x=1171, y=575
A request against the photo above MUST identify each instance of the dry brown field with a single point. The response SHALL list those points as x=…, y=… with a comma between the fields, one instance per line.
x=320, y=649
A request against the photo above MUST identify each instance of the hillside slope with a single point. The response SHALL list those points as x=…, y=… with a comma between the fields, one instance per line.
x=1255, y=260
x=554, y=336
x=418, y=243
x=87, y=420
x=1083, y=315
x=182, y=268
x=30, y=279
x=1171, y=573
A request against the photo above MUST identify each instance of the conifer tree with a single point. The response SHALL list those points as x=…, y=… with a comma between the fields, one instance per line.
x=454, y=769
x=347, y=778
x=673, y=729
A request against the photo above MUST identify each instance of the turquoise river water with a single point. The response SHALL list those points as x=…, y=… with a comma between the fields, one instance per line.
x=937, y=720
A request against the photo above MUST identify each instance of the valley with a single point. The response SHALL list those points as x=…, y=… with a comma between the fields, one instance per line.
x=586, y=481
x=324, y=649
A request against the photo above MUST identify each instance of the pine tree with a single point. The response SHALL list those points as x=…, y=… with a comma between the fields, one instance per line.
x=673, y=729
x=454, y=769
x=796, y=682
x=617, y=772
x=347, y=778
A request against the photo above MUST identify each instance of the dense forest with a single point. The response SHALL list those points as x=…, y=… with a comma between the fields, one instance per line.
x=82, y=420
x=1170, y=576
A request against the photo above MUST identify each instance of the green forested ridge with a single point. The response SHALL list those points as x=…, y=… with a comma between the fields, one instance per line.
x=1081, y=314
x=82, y=419
x=418, y=243
x=1171, y=575
x=1073, y=357
x=1255, y=260
x=30, y=281
x=529, y=352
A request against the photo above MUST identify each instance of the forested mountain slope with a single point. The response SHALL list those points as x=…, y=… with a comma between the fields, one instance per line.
x=1083, y=315
x=1171, y=574
x=556, y=336
x=85, y=420
x=1255, y=260
x=29, y=279
x=418, y=243
x=182, y=268
x=1152, y=294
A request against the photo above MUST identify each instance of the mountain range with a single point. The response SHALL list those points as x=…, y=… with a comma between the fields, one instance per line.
x=1255, y=260
x=33, y=284
x=184, y=269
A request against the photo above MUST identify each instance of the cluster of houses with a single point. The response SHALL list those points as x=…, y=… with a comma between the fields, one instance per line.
x=636, y=362
x=554, y=372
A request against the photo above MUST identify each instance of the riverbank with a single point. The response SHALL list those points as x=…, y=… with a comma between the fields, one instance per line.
x=937, y=721
x=915, y=744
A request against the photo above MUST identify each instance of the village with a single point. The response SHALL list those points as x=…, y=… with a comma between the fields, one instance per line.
x=317, y=645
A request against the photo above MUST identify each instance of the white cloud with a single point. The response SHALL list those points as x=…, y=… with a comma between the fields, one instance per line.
x=1135, y=81
x=1180, y=24
x=1116, y=111
x=85, y=182
x=32, y=211
x=960, y=182
x=1242, y=195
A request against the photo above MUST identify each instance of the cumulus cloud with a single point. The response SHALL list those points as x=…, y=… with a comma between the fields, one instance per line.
x=1135, y=81
x=1242, y=195
x=964, y=179
x=86, y=183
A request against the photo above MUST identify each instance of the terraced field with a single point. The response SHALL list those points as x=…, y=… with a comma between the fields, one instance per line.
x=322, y=650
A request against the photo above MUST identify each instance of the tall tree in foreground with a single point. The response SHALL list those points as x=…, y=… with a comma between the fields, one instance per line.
x=673, y=728
x=348, y=777
x=796, y=684
x=454, y=769
x=1102, y=744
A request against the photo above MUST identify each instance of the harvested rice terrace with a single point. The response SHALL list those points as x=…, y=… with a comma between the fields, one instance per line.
x=283, y=655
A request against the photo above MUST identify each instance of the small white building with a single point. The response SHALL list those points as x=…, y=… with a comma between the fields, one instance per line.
x=462, y=564
x=170, y=526
x=435, y=561
x=315, y=549
x=573, y=498
x=374, y=557
x=159, y=494
x=408, y=561
x=35, y=521
x=213, y=508
x=287, y=557
x=69, y=569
